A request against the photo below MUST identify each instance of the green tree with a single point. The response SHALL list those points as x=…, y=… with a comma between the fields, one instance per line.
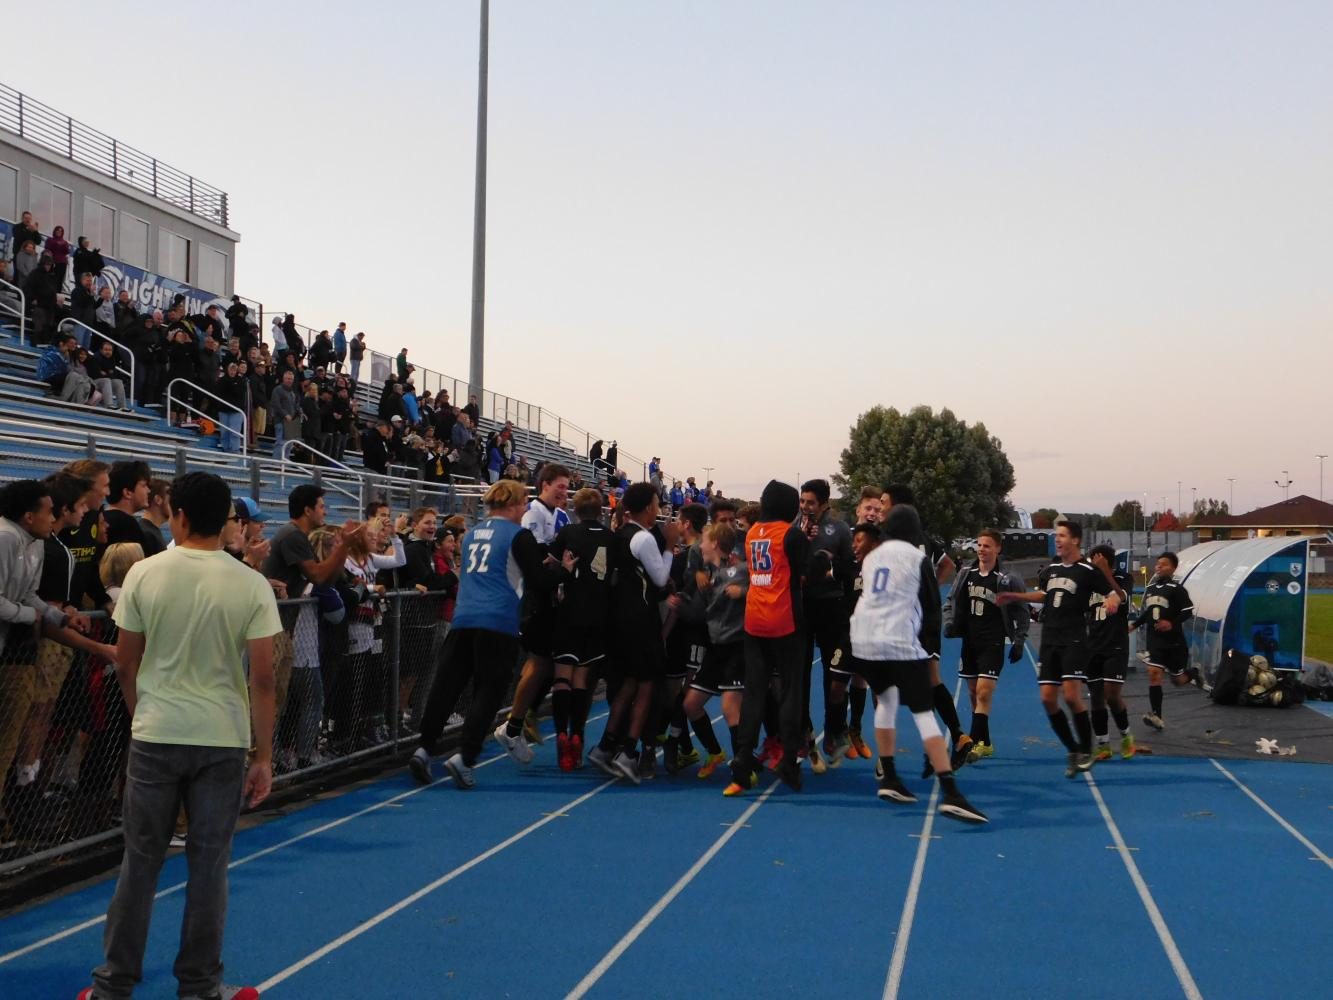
x=1047, y=514
x=1127, y=515
x=959, y=473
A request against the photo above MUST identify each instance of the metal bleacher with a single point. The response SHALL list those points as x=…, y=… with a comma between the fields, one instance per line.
x=39, y=434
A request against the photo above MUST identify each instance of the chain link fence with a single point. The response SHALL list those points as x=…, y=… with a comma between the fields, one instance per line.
x=349, y=688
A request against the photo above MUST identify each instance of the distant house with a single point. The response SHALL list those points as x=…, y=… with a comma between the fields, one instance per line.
x=1299, y=516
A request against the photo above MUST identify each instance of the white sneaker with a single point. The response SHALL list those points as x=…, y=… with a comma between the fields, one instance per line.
x=627, y=766
x=460, y=772
x=419, y=765
x=603, y=761
x=516, y=746
x=178, y=840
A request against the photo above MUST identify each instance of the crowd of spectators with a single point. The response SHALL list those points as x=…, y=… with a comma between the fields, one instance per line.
x=66, y=543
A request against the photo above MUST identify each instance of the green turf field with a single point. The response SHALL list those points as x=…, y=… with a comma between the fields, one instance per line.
x=1319, y=628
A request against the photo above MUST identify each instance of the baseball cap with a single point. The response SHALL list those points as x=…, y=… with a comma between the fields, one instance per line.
x=248, y=510
x=396, y=419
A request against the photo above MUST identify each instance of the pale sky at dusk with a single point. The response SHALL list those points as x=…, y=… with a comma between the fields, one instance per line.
x=719, y=231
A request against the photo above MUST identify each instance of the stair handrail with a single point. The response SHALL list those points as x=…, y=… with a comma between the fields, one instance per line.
x=23, y=306
x=244, y=432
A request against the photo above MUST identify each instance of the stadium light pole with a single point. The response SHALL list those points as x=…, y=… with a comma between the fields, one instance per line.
x=1321, y=475
x=1231, y=496
x=476, y=365
x=1284, y=484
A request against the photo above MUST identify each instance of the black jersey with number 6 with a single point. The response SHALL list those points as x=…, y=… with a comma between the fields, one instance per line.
x=984, y=619
x=1070, y=589
x=586, y=601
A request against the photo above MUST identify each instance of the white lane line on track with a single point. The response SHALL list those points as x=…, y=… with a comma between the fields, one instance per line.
x=379, y=918
x=172, y=889
x=893, y=981
x=623, y=945
x=1173, y=955
x=1315, y=853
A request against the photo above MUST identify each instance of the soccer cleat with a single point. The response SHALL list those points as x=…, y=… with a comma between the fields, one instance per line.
x=836, y=750
x=647, y=765
x=1085, y=761
x=419, y=765
x=1127, y=748
x=891, y=789
x=960, y=751
x=626, y=766
x=955, y=806
x=460, y=772
x=516, y=746
x=711, y=763
x=576, y=751
x=690, y=756
x=733, y=790
x=1155, y=721
x=979, y=751
x=1103, y=752
x=562, y=752
x=604, y=761
x=670, y=758
x=770, y=751
x=531, y=729
x=790, y=774
x=817, y=762
x=859, y=745
x=1071, y=765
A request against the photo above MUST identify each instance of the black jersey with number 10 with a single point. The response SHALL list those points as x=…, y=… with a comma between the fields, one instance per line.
x=984, y=621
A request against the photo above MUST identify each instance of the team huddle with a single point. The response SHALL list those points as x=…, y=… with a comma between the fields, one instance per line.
x=733, y=603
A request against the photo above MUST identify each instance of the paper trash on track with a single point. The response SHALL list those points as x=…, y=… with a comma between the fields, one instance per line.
x=1271, y=748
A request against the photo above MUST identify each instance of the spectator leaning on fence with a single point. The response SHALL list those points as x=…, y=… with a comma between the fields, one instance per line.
x=186, y=619
x=27, y=518
x=298, y=732
x=292, y=561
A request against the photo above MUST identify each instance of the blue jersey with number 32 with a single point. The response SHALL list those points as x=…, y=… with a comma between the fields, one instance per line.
x=490, y=588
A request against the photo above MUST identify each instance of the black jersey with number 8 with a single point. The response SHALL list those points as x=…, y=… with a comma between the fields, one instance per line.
x=1069, y=593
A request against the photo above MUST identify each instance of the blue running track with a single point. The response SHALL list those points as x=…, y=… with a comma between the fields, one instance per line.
x=1154, y=877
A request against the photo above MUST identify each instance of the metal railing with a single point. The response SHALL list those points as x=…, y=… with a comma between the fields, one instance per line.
x=46, y=127
x=244, y=432
x=22, y=309
x=110, y=340
x=285, y=457
x=337, y=707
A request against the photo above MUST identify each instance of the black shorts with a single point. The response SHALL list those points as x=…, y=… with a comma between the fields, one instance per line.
x=538, y=632
x=723, y=669
x=1066, y=662
x=1109, y=665
x=981, y=659
x=1173, y=659
x=910, y=677
x=578, y=646
x=686, y=647
x=639, y=659
x=828, y=629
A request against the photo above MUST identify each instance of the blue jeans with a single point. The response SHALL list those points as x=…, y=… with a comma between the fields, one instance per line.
x=230, y=442
x=277, y=438
x=160, y=778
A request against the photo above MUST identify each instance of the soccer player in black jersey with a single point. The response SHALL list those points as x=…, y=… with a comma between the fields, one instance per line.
x=974, y=616
x=1166, y=607
x=1067, y=587
x=898, y=493
x=827, y=620
x=583, y=617
x=1108, y=659
x=686, y=640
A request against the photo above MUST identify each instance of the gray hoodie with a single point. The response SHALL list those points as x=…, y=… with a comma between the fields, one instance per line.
x=21, y=558
x=726, y=615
